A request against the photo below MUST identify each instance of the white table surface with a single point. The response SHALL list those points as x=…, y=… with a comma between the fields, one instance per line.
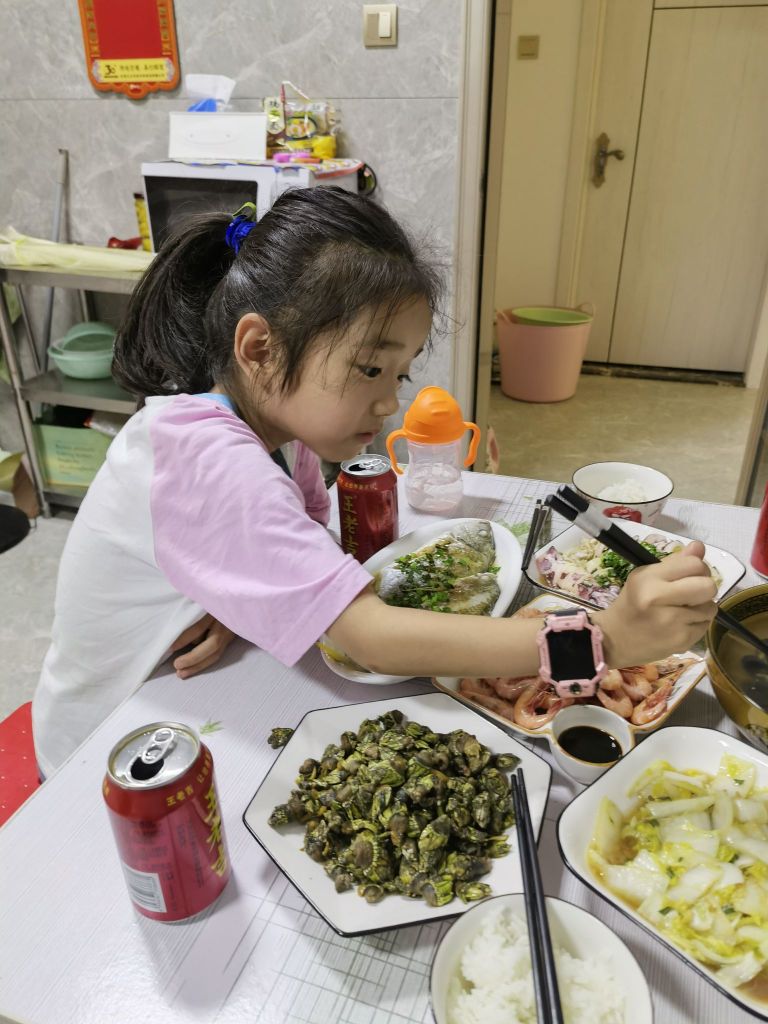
x=73, y=951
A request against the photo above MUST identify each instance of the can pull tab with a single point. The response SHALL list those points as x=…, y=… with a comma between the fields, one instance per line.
x=162, y=741
x=150, y=760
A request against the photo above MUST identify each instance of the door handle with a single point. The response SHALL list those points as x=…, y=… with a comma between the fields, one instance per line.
x=601, y=158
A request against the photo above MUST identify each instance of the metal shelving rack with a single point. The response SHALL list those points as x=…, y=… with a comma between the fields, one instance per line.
x=52, y=387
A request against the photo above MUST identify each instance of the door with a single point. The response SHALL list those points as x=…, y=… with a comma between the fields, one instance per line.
x=672, y=248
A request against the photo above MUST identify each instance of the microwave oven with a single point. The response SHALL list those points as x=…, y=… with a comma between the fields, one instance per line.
x=175, y=191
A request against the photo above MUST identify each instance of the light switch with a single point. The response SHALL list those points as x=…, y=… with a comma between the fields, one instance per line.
x=380, y=24
x=527, y=47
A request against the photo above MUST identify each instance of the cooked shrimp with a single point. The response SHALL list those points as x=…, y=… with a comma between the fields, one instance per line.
x=505, y=708
x=649, y=671
x=613, y=696
x=672, y=666
x=530, y=613
x=476, y=686
x=636, y=685
x=537, y=705
x=612, y=680
x=510, y=689
x=653, y=706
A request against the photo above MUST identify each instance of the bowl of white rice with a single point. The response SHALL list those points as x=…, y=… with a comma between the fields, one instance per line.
x=481, y=973
x=624, y=490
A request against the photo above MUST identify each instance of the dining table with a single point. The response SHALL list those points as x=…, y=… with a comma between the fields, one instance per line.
x=74, y=951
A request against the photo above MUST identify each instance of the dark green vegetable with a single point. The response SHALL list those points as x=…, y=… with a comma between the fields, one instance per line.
x=397, y=808
x=279, y=737
x=615, y=569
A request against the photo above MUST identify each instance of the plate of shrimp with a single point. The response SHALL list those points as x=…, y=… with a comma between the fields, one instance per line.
x=644, y=695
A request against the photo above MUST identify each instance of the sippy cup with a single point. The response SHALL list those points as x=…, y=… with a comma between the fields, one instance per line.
x=433, y=427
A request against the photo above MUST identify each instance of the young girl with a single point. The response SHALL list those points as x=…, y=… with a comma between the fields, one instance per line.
x=260, y=348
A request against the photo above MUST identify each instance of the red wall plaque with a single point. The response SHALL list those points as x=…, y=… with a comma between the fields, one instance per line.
x=130, y=45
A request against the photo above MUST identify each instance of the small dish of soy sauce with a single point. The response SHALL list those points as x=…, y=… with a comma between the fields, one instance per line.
x=588, y=739
x=588, y=743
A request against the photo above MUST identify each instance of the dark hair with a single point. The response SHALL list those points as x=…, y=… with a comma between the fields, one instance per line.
x=314, y=262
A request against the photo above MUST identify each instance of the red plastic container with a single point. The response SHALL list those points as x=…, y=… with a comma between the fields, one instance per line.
x=759, y=557
x=164, y=811
x=368, y=514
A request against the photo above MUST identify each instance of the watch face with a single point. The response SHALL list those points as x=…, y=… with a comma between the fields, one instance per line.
x=570, y=654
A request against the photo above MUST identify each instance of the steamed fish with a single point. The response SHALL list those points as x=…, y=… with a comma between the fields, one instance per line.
x=454, y=573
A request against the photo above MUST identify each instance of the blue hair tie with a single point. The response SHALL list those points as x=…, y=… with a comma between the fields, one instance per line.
x=241, y=225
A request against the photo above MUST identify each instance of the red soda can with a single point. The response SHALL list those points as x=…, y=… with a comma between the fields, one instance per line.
x=759, y=557
x=164, y=811
x=367, y=489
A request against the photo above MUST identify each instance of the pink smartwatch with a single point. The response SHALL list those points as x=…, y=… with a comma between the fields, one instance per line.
x=571, y=653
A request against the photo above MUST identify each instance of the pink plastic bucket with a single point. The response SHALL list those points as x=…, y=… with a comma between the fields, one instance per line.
x=540, y=363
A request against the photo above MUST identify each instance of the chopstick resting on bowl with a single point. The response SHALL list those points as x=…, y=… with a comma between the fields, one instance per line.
x=577, y=509
x=548, y=1008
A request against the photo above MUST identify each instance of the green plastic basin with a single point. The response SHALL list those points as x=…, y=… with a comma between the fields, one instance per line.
x=549, y=316
x=87, y=356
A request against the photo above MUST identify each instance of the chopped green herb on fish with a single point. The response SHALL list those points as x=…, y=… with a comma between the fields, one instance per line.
x=455, y=573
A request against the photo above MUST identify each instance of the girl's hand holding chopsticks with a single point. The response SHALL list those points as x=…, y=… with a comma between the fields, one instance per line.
x=664, y=605
x=661, y=608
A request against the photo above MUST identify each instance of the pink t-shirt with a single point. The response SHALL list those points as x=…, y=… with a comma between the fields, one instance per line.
x=189, y=514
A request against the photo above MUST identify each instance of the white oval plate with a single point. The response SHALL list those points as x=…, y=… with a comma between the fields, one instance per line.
x=346, y=912
x=730, y=568
x=684, y=685
x=509, y=558
x=684, y=747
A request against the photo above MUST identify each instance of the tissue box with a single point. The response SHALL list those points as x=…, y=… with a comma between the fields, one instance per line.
x=199, y=135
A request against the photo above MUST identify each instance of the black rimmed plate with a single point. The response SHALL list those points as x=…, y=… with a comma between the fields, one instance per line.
x=347, y=913
x=729, y=568
x=684, y=747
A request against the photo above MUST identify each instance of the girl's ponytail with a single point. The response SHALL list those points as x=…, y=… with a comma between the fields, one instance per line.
x=161, y=347
x=317, y=260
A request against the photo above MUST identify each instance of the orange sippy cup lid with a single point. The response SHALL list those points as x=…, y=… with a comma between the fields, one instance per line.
x=434, y=417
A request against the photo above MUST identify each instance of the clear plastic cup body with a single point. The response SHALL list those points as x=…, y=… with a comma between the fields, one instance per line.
x=433, y=479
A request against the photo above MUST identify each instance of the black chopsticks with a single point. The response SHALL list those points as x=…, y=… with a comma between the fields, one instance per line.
x=577, y=509
x=540, y=513
x=548, y=1009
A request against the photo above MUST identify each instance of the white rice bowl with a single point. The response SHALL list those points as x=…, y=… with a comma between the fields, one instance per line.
x=624, y=490
x=482, y=970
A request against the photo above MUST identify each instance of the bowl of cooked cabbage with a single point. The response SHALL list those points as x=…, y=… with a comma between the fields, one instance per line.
x=742, y=692
x=676, y=836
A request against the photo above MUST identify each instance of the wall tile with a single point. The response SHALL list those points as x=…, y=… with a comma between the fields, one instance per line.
x=398, y=106
x=316, y=45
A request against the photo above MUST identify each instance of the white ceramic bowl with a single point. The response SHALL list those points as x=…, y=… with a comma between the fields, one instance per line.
x=684, y=747
x=598, y=718
x=591, y=480
x=580, y=933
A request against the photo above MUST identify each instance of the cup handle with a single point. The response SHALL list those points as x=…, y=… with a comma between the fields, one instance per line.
x=391, y=449
x=473, y=444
